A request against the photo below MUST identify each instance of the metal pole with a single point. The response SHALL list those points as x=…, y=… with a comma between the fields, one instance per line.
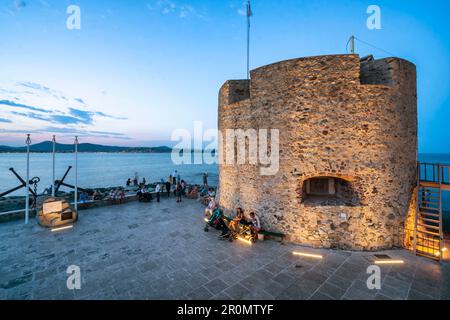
x=441, y=231
x=27, y=194
x=249, y=14
x=53, y=176
x=76, y=174
x=352, y=44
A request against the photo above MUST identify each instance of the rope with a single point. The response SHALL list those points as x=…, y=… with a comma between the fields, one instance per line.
x=371, y=45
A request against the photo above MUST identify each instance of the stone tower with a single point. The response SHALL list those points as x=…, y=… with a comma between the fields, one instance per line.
x=347, y=148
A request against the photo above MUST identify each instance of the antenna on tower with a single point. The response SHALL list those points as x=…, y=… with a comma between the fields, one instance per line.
x=351, y=41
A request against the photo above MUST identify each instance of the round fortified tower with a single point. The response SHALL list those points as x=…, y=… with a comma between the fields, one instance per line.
x=347, y=149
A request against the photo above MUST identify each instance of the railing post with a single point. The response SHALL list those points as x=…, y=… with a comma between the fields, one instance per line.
x=27, y=182
x=417, y=207
x=441, y=231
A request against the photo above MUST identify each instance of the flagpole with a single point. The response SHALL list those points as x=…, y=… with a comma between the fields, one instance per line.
x=248, y=39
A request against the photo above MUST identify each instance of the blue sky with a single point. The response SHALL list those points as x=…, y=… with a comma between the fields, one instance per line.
x=137, y=70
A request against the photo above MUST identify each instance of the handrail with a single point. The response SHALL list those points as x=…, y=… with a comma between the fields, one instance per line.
x=15, y=211
x=434, y=172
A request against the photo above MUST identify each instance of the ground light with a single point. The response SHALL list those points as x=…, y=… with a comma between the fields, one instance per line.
x=438, y=253
x=389, y=262
x=61, y=228
x=244, y=240
x=307, y=255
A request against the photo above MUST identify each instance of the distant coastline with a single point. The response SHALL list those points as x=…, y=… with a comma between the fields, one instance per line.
x=47, y=147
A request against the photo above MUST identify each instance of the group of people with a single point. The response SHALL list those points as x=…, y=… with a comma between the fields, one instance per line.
x=117, y=196
x=215, y=217
x=135, y=183
x=174, y=184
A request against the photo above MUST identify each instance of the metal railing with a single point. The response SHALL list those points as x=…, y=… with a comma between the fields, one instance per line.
x=434, y=172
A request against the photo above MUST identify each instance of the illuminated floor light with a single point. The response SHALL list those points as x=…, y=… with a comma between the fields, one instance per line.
x=244, y=240
x=389, y=262
x=61, y=228
x=308, y=255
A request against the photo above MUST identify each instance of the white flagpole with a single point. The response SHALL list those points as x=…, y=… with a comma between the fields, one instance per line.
x=27, y=194
x=76, y=174
x=53, y=177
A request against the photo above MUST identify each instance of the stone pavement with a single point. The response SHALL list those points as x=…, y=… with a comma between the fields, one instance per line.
x=160, y=251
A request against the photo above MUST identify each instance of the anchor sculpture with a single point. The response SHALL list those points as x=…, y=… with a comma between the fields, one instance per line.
x=23, y=184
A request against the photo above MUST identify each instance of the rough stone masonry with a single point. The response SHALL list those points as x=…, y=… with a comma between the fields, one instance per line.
x=348, y=149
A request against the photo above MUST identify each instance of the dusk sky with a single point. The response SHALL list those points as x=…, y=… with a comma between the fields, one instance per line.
x=138, y=70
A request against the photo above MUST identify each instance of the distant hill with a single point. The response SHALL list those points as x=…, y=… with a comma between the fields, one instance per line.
x=47, y=146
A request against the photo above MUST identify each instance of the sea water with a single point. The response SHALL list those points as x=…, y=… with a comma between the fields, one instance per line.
x=99, y=170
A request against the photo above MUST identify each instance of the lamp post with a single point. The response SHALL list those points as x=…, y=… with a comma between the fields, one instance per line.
x=53, y=176
x=27, y=194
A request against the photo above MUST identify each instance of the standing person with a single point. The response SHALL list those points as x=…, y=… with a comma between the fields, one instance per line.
x=158, y=191
x=178, y=177
x=168, y=186
x=205, y=179
x=178, y=192
x=144, y=182
x=174, y=177
x=135, y=181
x=183, y=187
x=129, y=182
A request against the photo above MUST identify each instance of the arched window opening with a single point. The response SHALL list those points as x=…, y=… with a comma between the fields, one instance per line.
x=329, y=191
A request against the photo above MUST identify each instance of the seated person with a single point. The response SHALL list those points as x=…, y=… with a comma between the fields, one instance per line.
x=217, y=214
x=141, y=193
x=255, y=223
x=96, y=196
x=121, y=196
x=211, y=192
x=203, y=191
x=240, y=218
x=193, y=194
x=221, y=225
x=83, y=197
x=211, y=207
x=112, y=194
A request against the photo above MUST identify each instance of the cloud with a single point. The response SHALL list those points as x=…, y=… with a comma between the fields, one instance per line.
x=68, y=131
x=31, y=106
x=23, y=106
x=67, y=120
x=101, y=114
x=31, y=115
x=84, y=116
x=73, y=131
x=20, y=4
x=182, y=10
